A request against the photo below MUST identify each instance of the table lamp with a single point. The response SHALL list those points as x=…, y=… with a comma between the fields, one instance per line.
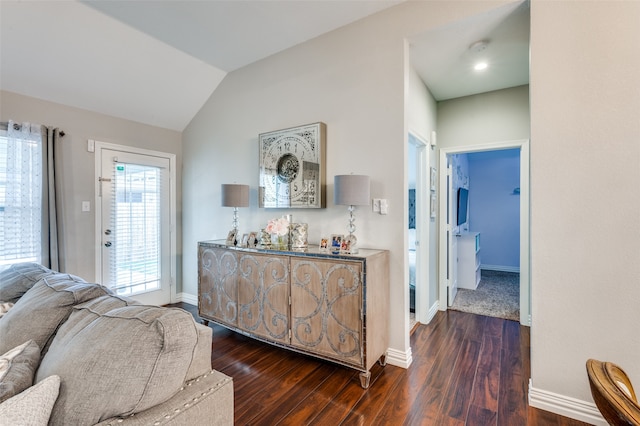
x=235, y=195
x=351, y=190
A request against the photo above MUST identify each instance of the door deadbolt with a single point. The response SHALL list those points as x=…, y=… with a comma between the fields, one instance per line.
x=107, y=232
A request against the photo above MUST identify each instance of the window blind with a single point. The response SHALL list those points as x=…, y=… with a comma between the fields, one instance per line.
x=20, y=197
x=135, y=259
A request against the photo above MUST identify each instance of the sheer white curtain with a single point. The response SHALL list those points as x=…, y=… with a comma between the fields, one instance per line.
x=28, y=219
x=21, y=210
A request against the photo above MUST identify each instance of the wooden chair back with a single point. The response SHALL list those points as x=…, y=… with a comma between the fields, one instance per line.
x=613, y=393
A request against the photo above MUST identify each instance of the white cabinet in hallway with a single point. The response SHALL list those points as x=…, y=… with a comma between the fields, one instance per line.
x=468, y=260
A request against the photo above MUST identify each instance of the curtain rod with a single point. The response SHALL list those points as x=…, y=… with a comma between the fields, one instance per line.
x=4, y=125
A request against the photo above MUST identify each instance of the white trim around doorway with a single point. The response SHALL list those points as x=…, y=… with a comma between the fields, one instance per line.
x=98, y=146
x=525, y=259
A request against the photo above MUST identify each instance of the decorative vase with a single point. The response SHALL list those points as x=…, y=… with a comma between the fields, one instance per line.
x=298, y=235
x=280, y=242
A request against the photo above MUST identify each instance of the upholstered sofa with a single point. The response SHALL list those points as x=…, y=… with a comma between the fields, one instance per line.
x=92, y=357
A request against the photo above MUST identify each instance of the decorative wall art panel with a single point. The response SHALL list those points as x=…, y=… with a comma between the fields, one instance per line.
x=292, y=167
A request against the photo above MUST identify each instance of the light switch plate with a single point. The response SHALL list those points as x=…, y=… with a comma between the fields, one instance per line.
x=384, y=207
x=86, y=206
x=380, y=205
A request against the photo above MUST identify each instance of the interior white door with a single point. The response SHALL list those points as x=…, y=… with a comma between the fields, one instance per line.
x=136, y=225
x=452, y=243
x=419, y=252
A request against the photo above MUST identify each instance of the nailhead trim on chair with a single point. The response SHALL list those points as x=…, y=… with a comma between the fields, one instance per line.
x=186, y=405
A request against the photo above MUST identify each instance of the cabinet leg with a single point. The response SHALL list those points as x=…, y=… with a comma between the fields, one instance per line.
x=365, y=378
x=383, y=360
x=205, y=322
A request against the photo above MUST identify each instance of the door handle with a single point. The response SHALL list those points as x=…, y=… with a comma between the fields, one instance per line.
x=107, y=244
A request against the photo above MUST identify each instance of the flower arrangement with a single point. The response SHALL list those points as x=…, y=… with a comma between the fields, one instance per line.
x=278, y=227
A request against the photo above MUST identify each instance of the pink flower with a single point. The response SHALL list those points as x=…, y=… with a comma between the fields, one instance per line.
x=278, y=226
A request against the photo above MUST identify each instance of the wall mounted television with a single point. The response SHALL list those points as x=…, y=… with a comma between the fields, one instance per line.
x=463, y=203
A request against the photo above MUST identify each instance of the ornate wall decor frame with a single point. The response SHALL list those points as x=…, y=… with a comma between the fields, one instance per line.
x=292, y=167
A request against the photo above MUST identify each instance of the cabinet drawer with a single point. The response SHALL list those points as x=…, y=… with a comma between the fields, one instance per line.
x=263, y=296
x=217, y=289
x=326, y=300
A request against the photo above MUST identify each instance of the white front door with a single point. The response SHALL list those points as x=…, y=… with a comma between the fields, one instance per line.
x=135, y=215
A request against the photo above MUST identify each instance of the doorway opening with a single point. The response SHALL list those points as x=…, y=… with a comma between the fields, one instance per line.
x=460, y=267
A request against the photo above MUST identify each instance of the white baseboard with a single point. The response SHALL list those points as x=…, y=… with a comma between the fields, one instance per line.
x=565, y=406
x=399, y=358
x=433, y=310
x=187, y=298
x=500, y=268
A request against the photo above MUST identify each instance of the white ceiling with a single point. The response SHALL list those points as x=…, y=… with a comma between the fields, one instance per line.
x=444, y=60
x=157, y=62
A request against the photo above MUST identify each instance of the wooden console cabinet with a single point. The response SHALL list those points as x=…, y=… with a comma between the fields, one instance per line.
x=333, y=307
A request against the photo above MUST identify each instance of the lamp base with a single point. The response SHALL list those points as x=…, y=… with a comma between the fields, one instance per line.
x=352, y=241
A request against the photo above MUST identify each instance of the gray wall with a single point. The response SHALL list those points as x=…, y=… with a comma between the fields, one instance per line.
x=78, y=171
x=585, y=157
x=421, y=114
x=354, y=80
x=498, y=116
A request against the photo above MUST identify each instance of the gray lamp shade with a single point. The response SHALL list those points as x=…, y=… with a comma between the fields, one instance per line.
x=351, y=190
x=235, y=195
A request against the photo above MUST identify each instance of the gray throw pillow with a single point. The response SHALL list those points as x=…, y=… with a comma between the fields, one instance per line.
x=118, y=362
x=33, y=406
x=19, y=278
x=38, y=314
x=17, y=369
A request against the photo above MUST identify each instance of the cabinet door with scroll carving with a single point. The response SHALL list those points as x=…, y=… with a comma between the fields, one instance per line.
x=263, y=296
x=326, y=302
x=217, y=293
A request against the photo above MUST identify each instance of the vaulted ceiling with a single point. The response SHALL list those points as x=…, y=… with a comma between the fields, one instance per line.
x=157, y=62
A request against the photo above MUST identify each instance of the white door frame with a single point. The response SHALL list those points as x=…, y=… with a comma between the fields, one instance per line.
x=99, y=146
x=525, y=259
x=422, y=229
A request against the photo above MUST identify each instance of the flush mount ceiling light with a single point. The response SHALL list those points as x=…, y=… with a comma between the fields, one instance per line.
x=476, y=49
x=479, y=46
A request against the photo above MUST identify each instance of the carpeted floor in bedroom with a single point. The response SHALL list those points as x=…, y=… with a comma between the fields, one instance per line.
x=497, y=295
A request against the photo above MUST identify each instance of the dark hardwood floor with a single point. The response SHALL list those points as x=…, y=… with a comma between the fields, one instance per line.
x=467, y=370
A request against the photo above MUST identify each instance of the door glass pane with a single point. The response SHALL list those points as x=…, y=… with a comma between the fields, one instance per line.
x=136, y=229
